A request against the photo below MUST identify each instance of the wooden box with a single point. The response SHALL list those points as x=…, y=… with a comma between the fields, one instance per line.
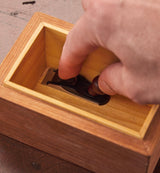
x=120, y=136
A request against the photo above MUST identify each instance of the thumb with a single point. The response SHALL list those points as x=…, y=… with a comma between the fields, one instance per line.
x=111, y=79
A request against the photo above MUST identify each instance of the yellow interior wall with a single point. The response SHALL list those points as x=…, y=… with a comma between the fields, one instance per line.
x=33, y=63
x=54, y=43
x=93, y=65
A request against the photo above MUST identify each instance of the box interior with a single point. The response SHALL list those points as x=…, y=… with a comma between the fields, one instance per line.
x=44, y=52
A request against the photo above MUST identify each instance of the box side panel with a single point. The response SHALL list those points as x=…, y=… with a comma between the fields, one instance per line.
x=114, y=114
x=157, y=169
x=33, y=63
x=54, y=43
x=152, y=142
x=67, y=142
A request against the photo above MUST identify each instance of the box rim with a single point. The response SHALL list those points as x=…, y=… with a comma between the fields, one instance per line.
x=60, y=104
x=144, y=146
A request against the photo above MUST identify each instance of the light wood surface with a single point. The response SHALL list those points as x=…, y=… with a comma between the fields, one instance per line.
x=32, y=65
x=68, y=135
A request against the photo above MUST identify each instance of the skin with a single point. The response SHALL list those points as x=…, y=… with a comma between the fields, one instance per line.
x=131, y=30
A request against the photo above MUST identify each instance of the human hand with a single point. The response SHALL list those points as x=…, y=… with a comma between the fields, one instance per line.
x=131, y=30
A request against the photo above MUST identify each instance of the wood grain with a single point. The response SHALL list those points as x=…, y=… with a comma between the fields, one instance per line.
x=33, y=64
x=43, y=50
x=66, y=134
x=67, y=142
x=132, y=118
x=23, y=158
x=16, y=157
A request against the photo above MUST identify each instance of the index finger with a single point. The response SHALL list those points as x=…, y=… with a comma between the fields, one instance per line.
x=78, y=45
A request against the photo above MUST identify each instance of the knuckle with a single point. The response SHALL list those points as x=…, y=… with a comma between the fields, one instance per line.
x=86, y=4
x=138, y=95
x=134, y=92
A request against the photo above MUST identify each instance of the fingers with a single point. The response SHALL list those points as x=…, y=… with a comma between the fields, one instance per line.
x=92, y=30
x=78, y=45
x=111, y=80
x=116, y=79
